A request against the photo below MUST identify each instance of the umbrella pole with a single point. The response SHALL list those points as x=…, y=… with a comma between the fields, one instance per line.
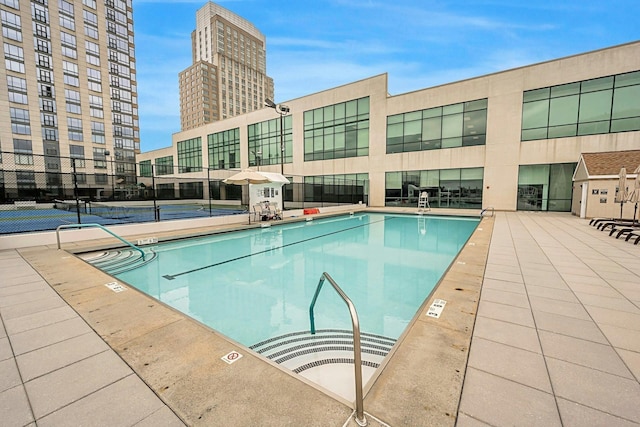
x=621, y=204
x=635, y=209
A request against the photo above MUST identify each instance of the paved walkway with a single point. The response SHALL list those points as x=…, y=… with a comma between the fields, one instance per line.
x=55, y=370
x=557, y=335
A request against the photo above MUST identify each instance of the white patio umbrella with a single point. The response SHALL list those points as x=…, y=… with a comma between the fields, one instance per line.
x=634, y=195
x=247, y=176
x=622, y=188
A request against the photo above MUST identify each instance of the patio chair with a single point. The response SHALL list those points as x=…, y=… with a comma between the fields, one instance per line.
x=257, y=211
x=274, y=213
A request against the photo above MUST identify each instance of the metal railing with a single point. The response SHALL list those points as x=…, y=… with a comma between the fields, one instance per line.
x=100, y=227
x=357, y=356
x=490, y=208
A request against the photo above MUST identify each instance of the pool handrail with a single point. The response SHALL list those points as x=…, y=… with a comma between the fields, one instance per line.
x=487, y=209
x=100, y=227
x=357, y=356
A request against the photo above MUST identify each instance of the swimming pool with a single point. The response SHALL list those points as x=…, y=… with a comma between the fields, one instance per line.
x=255, y=286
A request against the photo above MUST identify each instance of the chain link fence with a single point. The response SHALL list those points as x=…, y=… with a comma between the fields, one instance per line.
x=39, y=192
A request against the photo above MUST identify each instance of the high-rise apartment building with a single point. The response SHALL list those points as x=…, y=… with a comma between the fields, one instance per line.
x=228, y=76
x=68, y=91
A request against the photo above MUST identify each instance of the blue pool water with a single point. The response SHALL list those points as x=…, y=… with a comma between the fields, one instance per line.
x=257, y=284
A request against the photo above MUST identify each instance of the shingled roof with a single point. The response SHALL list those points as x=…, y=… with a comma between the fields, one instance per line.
x=610, y=162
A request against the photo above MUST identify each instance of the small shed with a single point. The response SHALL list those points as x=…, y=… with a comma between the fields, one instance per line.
x=595, y=184
x=268, y=192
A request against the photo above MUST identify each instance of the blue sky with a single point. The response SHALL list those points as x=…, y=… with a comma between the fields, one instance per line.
x=317, y=45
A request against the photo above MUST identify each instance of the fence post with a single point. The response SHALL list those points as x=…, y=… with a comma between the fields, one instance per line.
x=75, y=189
x=156, y=211
x=209, y=189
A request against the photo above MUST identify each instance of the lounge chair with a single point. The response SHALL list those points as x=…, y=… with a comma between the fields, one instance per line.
x=597, y=222
x=605, y=224
x=633, y=235
x=621, y=229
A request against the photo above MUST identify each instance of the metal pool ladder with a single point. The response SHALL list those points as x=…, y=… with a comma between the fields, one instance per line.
x=134, y=247
x=360, y=418
x=490, y=208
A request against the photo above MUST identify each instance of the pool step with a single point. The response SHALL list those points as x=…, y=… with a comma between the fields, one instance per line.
x=118, y=261
x=301, y=351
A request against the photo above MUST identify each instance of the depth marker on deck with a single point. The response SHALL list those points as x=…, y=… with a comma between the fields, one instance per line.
x=148, y=241
x=115, y=287
x=436, y=308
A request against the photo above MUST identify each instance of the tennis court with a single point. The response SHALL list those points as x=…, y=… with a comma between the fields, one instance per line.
x=25, y=220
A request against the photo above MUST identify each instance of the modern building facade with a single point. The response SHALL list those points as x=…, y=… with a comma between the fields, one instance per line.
x=67, y=91
x=509, y=140
x=228, y=76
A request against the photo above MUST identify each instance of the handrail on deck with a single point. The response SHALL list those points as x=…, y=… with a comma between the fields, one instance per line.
x=100, y=227
x=486, y=209
x=357, y=356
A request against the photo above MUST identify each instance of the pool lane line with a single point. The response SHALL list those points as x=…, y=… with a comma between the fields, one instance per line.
x=173, y=276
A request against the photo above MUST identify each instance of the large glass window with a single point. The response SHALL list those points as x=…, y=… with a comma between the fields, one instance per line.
x=26, y=183
x=20, y=121
x=164, y=165
x=145, y=168
x=191, y=190
x=545, y=187
x=597, y=106
x=455, y=188
x=76, y=152
x=190, y=155
x=23, y=151
x=345, y=188
x=224, y=149
x=99, y=158
x=337, y=131
x=456, y=125
x=264, y=142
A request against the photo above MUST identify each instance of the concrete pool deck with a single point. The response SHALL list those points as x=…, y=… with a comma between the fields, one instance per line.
x=556, y=342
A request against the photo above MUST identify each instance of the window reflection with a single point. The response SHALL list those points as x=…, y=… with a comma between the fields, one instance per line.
x=455, y=125
x=455, y=188
x=545, y=187
x=597, y=106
